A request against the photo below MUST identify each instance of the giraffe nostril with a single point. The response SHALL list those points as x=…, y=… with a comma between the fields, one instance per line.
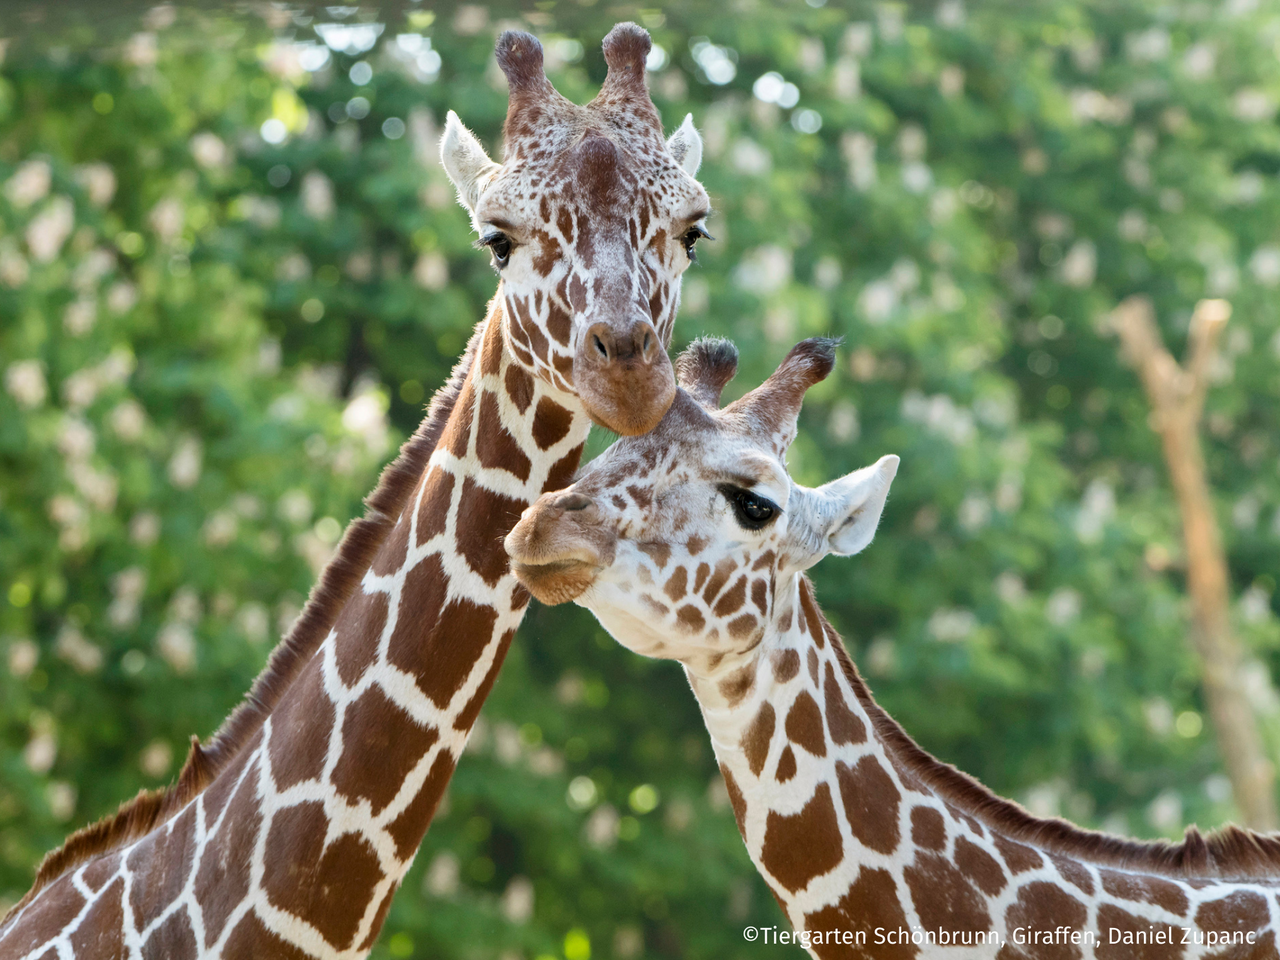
x=574, y=502
x=600, y=347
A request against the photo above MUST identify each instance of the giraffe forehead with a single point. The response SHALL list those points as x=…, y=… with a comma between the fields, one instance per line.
x=598, y=176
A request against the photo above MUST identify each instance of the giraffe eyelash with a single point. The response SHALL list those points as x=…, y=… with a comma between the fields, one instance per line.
x=498, y=244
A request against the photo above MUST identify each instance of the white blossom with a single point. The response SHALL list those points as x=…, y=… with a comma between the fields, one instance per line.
x=1265, y=265
x=22, y=657
x=29, y=183
x=49, y=231
x=98, y=181
x=79, y=317
x=1080, y=265
x=83, y=655
x=14, y=269
x=209, y=151
x=517, y=900
x=431, y=271
x=176, y=644
x=121, y=297
x=859, y=152
x=25, y=382
x=186, y=463
x=40, y=752
x=949, y=624
x=764, y=270
x=441, y=879
x=167, y=218
x=602, y=827
x=317, y=195
x=1096, y=509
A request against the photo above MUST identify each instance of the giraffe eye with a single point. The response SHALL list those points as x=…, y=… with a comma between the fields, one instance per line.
x=691, y=237
x=752, y=511
x=499, y=245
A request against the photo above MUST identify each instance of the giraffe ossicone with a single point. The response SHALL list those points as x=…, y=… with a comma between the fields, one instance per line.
x=691, y=543
x=289, y=832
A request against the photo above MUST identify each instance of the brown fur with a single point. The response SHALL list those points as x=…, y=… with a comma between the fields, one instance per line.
x=151, y=808
x=1230, y=852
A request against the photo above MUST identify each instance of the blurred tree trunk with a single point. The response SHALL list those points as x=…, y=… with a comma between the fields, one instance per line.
x=1177, y=394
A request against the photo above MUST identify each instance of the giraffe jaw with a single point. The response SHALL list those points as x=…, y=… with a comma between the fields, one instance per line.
x=557, y=582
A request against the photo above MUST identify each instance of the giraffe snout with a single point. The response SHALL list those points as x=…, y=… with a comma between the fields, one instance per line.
x=623, y=376
x=559, y=546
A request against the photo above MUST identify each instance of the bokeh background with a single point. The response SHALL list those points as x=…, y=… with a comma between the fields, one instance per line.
x=232, y=271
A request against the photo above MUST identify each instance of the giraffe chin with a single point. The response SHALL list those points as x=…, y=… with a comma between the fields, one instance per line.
x=558, y=582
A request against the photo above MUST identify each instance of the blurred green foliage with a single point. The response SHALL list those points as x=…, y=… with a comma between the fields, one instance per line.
x=232, y=272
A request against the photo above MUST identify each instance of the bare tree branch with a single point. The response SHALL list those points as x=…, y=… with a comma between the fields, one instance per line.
x=1177, y=400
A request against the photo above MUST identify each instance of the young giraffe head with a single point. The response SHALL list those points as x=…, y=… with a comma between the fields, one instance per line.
x=591, y=219
x=680, y=540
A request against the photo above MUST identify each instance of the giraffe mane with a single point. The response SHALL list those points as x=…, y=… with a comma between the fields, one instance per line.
x=150, y=808
x=1229, y=852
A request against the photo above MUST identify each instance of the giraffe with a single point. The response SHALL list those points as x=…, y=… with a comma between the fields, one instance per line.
x=288, y=834
x=691, y=543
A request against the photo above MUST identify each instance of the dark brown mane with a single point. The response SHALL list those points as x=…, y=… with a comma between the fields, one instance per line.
x=151, y=808
x=1229, y=852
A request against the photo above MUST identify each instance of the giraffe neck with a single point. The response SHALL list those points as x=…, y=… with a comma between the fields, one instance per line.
x=302, y=839
x=874, y=849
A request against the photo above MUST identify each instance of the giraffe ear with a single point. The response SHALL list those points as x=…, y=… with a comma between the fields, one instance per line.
x=847, y=511
x=685, y=146
x=465, y=161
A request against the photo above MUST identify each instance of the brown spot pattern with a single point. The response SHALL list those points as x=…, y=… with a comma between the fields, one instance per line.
x=381, y=744
x=677, y=585
x=805, y=845
x=943, y=898
x=173, y=938
x=1043, y=906
x=871, y=903
x=786, y=765
x=736, y=800
x=1073, y=872
x=1017, y=856
x=845, y=725
x=1242, y=911
x=408, y=828
x=757, y=736
x=979, y=866
x=486, y=512
x=738, y=684
x=928, y=829
x=551, y=423
x=1145, y=889
x=329, y=884
x=870, y=803
x=99, y=932
x=434, y=510
x=519, y=384
x=358, y=633
x=495, y=446
x=804, y=725
x=222, y=879
x=732, y=599
x=786, y=664
x=251, y=939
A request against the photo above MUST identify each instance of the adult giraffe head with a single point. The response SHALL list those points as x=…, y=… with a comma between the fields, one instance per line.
x=678, y=540
x=591, y=219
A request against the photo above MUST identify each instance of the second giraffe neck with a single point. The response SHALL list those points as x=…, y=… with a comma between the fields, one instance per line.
x=865, y=838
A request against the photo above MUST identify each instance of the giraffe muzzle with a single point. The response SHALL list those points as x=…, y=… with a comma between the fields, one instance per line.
x=623, y=376
x=559, y=547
